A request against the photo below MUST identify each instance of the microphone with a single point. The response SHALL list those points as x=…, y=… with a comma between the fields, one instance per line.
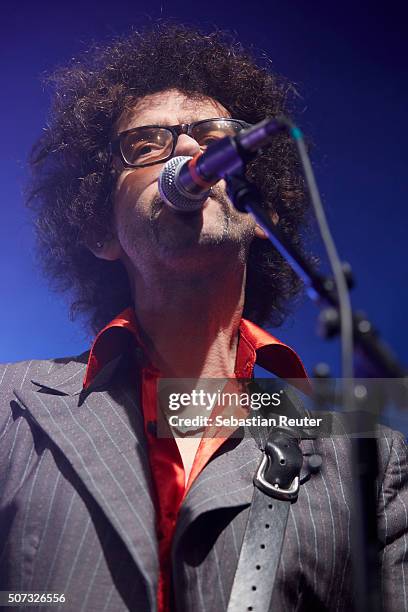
x=185, y=182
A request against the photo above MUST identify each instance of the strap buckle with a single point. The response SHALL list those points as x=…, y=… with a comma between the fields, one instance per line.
x=274, y=490
x=278, y=474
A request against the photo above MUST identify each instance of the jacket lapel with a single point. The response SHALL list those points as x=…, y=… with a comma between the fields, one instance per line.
x=101, y=434
x=225, y=482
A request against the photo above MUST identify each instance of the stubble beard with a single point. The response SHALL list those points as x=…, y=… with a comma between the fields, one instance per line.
x=232, y=235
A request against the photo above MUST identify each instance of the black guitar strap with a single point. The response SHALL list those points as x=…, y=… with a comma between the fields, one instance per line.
x=276, y=486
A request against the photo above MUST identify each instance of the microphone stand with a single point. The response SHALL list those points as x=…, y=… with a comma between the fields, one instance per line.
x=246, y=198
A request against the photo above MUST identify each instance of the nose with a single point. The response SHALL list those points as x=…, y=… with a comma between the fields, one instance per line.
x=186, y=145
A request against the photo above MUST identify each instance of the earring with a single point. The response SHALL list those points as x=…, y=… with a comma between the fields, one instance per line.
x=99, y=245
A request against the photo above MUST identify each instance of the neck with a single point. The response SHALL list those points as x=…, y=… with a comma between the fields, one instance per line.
x=190, y=324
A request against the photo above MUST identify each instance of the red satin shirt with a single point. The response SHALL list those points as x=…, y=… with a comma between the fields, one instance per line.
x=254, y=346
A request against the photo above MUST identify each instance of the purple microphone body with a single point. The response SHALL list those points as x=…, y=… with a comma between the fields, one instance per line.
x=185, y=182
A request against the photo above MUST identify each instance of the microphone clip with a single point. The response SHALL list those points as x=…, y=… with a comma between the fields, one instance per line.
x=241, y=191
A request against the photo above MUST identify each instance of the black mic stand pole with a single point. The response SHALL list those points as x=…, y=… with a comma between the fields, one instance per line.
x=246, y=198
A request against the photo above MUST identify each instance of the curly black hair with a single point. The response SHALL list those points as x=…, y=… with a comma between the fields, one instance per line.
x=72, y=181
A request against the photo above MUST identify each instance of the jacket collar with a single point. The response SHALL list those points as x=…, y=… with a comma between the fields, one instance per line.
x=255, y=346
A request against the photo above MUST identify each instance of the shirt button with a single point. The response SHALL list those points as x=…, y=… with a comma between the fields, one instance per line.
x=152, y=428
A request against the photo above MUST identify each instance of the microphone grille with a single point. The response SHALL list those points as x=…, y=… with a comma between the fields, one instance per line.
x=172, y=193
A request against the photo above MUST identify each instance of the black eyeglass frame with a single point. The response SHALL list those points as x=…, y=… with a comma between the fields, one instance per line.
x=176, y=131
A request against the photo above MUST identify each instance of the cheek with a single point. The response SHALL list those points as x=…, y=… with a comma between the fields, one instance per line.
x=135, y=190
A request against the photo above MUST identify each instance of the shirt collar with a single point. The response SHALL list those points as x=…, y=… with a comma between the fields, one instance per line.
x=255, y=346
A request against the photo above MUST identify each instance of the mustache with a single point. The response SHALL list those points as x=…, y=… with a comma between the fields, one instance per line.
x=156, y=206
x=216, y=192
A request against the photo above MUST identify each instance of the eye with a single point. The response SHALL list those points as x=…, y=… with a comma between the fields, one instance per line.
x=141, y=149
x=208, y=136
x=144, y=149
x=205, y=142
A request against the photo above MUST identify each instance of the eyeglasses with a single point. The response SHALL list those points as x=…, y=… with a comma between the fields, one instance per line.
x=153, y=144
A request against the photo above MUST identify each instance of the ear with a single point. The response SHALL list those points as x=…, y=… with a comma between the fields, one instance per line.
x=108, y=248
x=260, y=233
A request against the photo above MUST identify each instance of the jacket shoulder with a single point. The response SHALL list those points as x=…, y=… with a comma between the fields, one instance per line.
x=18, y=374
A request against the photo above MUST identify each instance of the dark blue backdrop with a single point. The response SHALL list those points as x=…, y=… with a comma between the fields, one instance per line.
x=349, y=62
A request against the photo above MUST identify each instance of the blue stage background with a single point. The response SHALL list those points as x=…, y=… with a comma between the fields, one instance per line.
x=349, y=63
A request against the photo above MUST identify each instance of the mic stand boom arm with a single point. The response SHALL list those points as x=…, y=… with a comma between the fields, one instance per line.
x=320, y=289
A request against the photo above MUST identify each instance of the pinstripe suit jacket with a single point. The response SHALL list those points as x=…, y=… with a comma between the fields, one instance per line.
x=76, y=511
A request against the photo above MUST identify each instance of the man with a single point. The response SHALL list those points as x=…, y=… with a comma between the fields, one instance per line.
x=95, y=506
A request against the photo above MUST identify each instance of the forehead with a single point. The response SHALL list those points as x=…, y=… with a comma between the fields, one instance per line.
x=170, y=107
